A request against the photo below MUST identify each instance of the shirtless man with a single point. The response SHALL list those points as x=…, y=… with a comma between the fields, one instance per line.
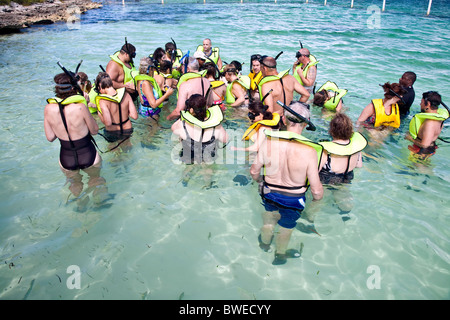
x=304, y=61
x=208, y=51
x=429, y=131
x=288, y=165
x=283, y=89
x=197, y=84
x=120, y=71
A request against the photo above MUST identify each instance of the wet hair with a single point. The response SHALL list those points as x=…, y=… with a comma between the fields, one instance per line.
x=341, y=127
x=84, y=81
x=433, y=98
x=166, y=65
x=395, y=87
x=237, y=65
x=64, y=88
x=320, y=97
x=257, y=108
x=211, y=70
x=103, y=81
x=158, y=54
x=198, y=103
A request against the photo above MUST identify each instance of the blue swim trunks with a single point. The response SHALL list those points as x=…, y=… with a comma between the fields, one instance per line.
x=289, y=207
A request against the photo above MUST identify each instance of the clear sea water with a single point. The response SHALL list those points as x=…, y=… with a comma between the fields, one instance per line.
x=159, y=239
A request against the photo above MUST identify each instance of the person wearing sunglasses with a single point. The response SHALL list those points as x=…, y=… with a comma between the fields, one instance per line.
x=384, y=113
x=122, y=70
x=290, y=166
x=425, y=127
x=304, y=69
x=282, y=85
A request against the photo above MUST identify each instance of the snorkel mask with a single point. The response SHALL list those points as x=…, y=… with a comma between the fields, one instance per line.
x=310, y=127
x=74, y=78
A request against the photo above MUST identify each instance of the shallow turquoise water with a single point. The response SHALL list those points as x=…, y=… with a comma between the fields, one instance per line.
x=161, y=240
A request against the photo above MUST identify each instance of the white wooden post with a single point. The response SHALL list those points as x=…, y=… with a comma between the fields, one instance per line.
x=351, y=6
x=325, y=3
x=384, y=5
x=429, y=7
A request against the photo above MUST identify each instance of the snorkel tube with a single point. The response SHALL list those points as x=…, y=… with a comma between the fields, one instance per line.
x=74, y=78
x=266, y=95
x=184, y=61
x=310, y=127
x=395, y=94
x=132, y=56
x=279, y=54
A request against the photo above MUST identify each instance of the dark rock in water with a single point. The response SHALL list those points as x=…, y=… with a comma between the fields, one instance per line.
x=15, y=17
x=241, y=180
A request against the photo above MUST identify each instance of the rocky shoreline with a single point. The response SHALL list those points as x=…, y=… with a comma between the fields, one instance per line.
x=15, y=17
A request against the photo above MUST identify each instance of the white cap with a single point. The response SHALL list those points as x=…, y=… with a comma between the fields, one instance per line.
x=199, y=55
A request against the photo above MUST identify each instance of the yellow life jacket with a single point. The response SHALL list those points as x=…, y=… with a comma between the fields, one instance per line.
x=255, y=126
x=72, y=99
x=116, y=98
x=255, y=79
x=216, y=83
x=243, y=81
x=214, y=53
x=130, y=73
x=214, y=118
x=382, y=119
x=270, y=78
x=313, y=62
x=145, y=77
x=332, y=103
x=176, y=63
x=357, y=143
x=418, y=120
x=188, y=76
x=92, y=95
x=292, y=136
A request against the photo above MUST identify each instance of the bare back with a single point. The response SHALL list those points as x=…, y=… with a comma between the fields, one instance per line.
x=288, y=164
x=79, y=122
x=110, y=113
x=283, y=91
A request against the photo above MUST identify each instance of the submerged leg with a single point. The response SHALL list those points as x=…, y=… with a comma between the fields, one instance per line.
x=270, y=220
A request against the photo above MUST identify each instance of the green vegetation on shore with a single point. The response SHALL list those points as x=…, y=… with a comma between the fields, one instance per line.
x=22, y=2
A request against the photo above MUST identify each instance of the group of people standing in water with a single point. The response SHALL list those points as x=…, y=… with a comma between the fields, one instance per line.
x=286, y=164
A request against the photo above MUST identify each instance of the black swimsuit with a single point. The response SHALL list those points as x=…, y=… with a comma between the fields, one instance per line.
x=78, y=154
x=327, y=176
x=198, y=151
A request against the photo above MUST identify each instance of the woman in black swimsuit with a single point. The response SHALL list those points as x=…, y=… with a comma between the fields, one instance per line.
x=68, y=119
